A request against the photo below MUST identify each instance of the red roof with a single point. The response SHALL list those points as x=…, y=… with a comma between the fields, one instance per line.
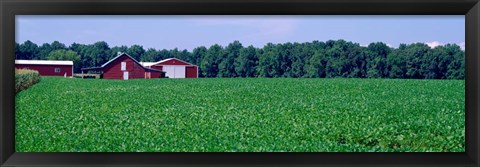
x=120, y=55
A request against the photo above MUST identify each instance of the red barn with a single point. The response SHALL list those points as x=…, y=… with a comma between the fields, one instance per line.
x=47, y=67
x=174, y=68
x=125, y=67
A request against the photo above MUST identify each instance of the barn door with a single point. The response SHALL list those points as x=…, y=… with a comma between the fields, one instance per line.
x=170, y=71
x=125, y=75
x=179, y=71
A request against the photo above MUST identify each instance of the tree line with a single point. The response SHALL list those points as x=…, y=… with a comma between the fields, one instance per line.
x=316, y=59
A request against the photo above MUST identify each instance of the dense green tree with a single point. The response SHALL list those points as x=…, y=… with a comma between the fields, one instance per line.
x=57, y=45
x=377, y=60
x=197, y=55
x=415, y=54
x=76, y=47
x=174, y=53
x=226, y=67
x=117, y=49
x=356, y=65
x=44, y=50
x=184, y=55
x=284, y=59
x=80, y=49
x=151, y=55
x=337, y=59
x=316, y=66
x=136, y=51
x=246, y=62
x=268, y=62
x=96, y=54
x=209, y=65
x=301, y=53
x=164, y=53
x=17, y=50
x=333, y=58
x=27, y=51
x=456, y=68
x=64, y=54
x=396, y=63
x=435, y=63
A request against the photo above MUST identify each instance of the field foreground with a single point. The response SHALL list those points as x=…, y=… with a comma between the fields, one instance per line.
x=241, y=115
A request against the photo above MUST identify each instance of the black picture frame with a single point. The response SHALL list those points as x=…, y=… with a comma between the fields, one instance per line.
x=10, y=8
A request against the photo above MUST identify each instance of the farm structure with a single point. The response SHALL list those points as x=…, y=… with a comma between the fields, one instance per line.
x=125, y=67
x=174, y=68
x=47, y=67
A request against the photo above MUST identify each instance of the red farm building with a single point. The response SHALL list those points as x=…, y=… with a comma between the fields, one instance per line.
x=174, y=68
x=125, y=67
x=47, y=67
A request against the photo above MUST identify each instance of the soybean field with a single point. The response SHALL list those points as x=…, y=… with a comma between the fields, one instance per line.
x=241, y=115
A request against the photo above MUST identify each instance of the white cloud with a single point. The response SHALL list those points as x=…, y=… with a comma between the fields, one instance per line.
x=462, y=45
x=433, y=44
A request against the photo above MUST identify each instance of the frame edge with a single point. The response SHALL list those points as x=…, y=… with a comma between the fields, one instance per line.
x=472, y=62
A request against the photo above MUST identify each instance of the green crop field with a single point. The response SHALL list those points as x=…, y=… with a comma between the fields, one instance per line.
x=241, y=115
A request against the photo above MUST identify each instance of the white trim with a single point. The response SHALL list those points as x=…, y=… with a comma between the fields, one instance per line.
x=147, y=64
x=108, y=62
x=180, y=72
x=126, y=77
x=123, y=66
x=121, y=54
x=169, y=71
x=165, y=60
x=44, y=62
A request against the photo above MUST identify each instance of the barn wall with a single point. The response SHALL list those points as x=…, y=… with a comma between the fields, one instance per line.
x=156, y=74
x=48, y=70
x=191, y=72
x=113, y=70
x=157, y=67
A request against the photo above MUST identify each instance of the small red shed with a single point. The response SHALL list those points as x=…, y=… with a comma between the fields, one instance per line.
x=174, y=68
x=125, y=67
x=47, y=67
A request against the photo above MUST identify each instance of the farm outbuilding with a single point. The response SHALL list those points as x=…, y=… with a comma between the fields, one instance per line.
x=125, y=67
x=47, y=67
x=174, y=68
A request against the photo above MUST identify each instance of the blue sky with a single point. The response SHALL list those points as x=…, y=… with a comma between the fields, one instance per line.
x=188, y=32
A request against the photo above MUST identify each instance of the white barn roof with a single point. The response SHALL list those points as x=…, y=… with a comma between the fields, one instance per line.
x=165, y=60
x=44, y=62
x=149, y=64
x=119, y=54
x=145, y=64
x=162, y=61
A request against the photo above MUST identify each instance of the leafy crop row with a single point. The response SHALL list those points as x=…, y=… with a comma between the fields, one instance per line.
x=241, y=115
x=24, y=78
